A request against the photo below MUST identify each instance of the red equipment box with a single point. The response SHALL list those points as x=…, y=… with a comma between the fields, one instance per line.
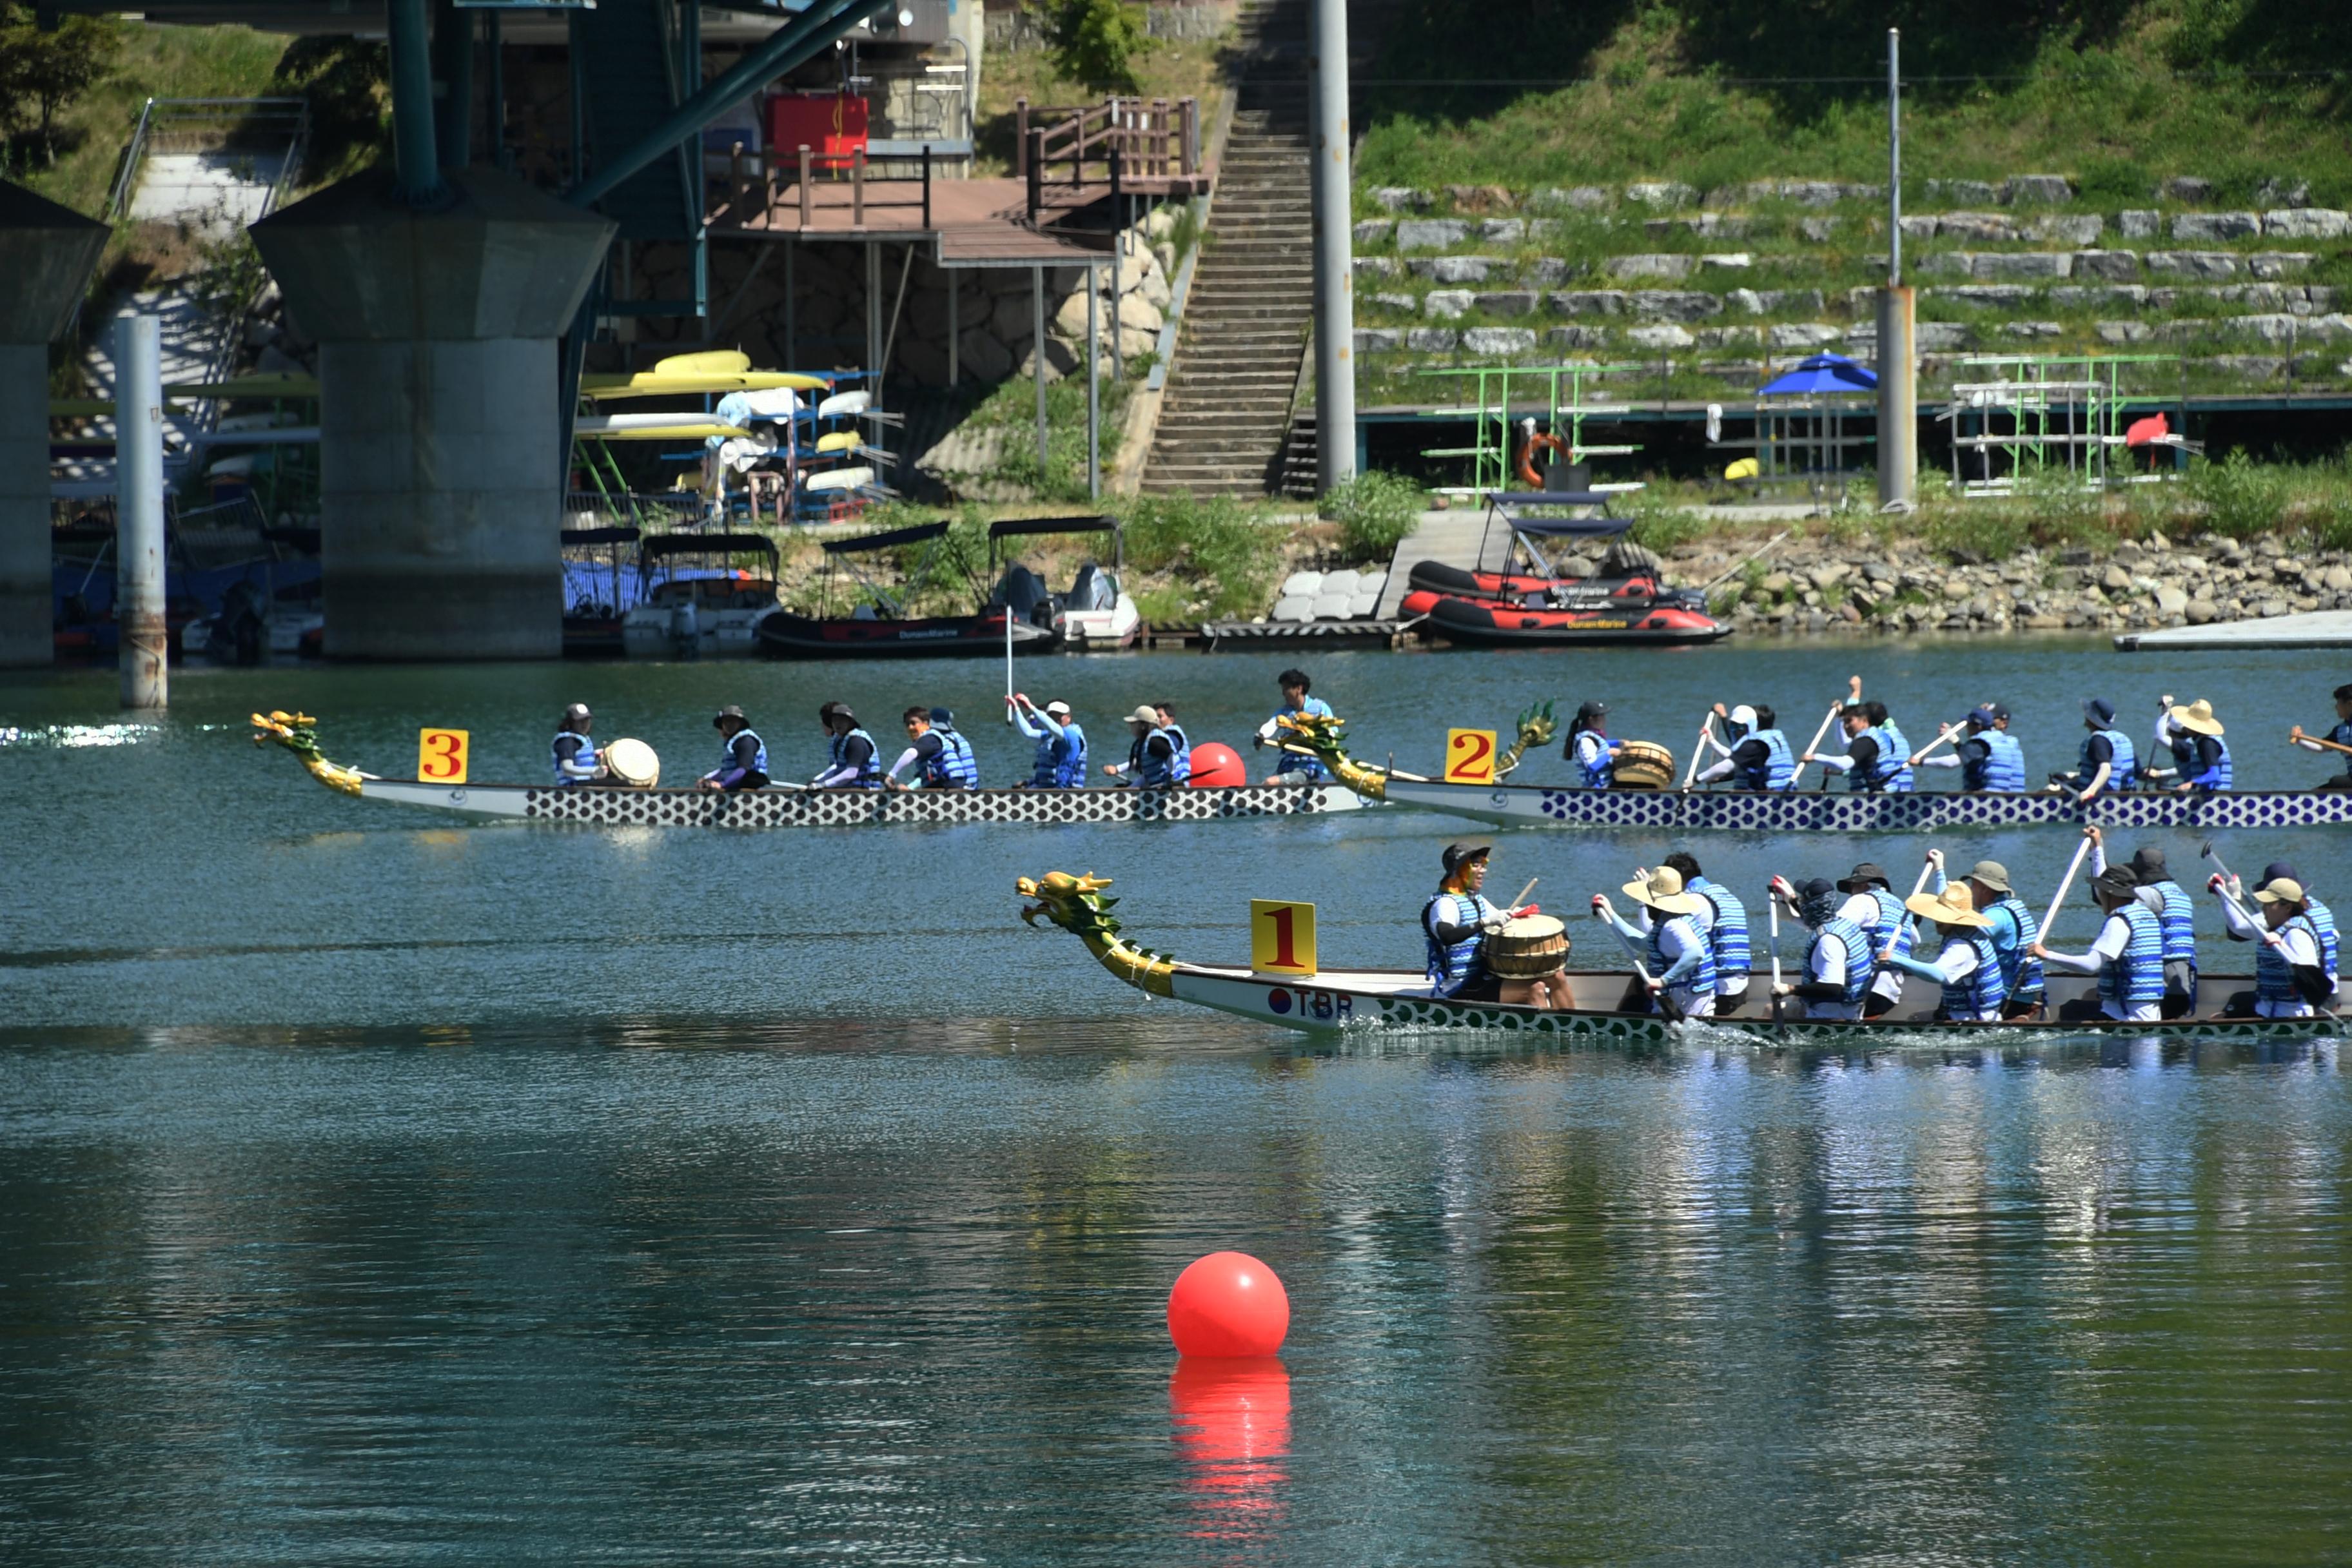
x=831, y=125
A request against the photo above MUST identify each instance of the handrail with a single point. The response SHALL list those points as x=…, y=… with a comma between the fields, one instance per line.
x=131, y=156
x=757, y=174
x=1155, y=138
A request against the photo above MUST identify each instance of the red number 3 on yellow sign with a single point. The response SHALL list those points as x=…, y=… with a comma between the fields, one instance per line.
x=441, y=755
x=1470, y=756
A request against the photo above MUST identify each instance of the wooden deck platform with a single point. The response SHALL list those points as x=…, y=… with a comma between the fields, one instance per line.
x=2317, y=628
x=974, y=223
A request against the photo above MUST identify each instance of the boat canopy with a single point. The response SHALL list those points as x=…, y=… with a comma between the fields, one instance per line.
x=1011, y=526
x=891, y=539
x=1515, y=509
x=709, y=544
x=623, y=535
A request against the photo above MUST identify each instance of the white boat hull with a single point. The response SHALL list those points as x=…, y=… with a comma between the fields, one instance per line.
x=766, y=808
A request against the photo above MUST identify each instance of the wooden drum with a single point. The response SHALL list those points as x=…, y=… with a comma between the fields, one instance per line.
x=1528, y=948
x=632, y=765
x=1642, y=765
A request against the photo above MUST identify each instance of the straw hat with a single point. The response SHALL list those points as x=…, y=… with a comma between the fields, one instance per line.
x=2197, y=717
x=1664, y=890
x=1955, y=906
x=2282, y=890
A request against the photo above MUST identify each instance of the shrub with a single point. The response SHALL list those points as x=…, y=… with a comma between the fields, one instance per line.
x=2242, y=497
x=1210, y=543
x=1095, y=42
x=1375, y=512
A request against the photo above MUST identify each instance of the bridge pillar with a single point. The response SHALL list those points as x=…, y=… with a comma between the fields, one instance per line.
x=46, y=252
x=441, y=462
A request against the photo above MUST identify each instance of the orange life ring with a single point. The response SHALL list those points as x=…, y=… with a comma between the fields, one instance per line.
x=1537, y=442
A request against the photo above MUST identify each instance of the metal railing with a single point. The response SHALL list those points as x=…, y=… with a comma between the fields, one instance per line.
x=227, y=119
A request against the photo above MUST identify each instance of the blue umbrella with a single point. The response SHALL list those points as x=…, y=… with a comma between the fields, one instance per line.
x=1820, y=374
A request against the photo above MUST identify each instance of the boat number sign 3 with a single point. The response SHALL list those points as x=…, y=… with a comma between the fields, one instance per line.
x=1470, y=756
x=1282, y=937
x=442, y=756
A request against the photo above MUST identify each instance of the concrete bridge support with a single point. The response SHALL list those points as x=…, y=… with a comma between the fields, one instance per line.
x=441, y=467
x=46, y=252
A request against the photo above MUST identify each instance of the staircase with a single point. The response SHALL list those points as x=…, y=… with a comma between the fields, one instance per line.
x=1226, y=421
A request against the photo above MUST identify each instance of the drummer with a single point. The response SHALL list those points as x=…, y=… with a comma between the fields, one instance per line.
x=1681, y=967
x=1968, y=969
x=575, y=753
x=744, y=764
x=1590, y=747
x=1456, y=922
x=1296, y=704
x=2339, y=736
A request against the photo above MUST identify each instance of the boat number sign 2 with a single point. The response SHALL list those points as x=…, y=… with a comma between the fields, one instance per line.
x=442, y=756
x=1282, y=937
x=1470, y=756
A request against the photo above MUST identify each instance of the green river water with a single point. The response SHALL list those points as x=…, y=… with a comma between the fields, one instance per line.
x=378, y=1187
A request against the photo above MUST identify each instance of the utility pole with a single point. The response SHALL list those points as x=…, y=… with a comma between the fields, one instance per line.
x=1335, y=304
x=141, y=636
x=1899, y=392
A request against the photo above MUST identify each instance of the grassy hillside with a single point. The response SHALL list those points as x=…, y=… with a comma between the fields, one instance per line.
x=2119, y=93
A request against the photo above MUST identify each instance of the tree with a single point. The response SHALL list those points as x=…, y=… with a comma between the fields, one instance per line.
x=1095, y=42
x=51, y=68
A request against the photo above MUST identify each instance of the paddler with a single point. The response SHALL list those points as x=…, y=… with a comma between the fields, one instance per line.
x=2291, y=976
x=1875, y=910
x=1724, y=923
x=1680, y=967
x=2176, y=914
x=1061, y=761
x=2107, y=761
x=1296, y=704
x=1590, y=748
x=575, y=753
x=943, y=754
x=2323, y=919
x=852, y=761
x=1837, y=961
x=1456, y=922
x=1758, y=755
x=2128, y=957
x=1875, y=760
x=2012, y=928
x=744, y=759
x=2340, y=737
x=2200, y=759
x=1155, y=759
x=1988, y=758
x=1966, y=968
x=1179, y=760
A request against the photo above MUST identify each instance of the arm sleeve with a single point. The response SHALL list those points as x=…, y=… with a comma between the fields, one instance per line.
x=2114, y=937
x=1630, y=933
x=1706, y=737
x=1717, y=771
x=2239, y=928
x=1941, y=760
x=1686, y=954
x=1835, y=764
x=906, y=760
x=1021, y=722
x=2098, y=860
x=1922, y=970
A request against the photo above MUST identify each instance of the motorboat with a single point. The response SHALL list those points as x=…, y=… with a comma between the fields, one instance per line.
x=878, y=627
x=697, y=602
x=1625, y=603
x=1095, y=613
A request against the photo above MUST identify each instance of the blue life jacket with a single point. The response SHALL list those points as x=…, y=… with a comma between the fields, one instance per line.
x=1858, y=955
x=2004, y=764
x=585, y=757
x=2178, y=922
x=1892, y=919
x=869, y=776
x=727, y=751
x=2137, y=978
x=1158, y=772
x=1701, y=981
x=1180, y=763
x=1983, y=990
x=1452, y=968
x=2274, y=975
x=1068, y=756
x=2323, y=920
x=955, y=767
x=2185, y=755
x=1292, y=763
x=1893, y=759
x=1599, y=769
x=1780, y=769
x=1726, y=937
x=2124, y=769
x=2342, y=736
x=2013, y=929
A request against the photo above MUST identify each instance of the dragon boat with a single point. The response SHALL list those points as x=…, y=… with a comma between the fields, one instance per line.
x=1366, y=999
x=781, y=806
x=1801, y=811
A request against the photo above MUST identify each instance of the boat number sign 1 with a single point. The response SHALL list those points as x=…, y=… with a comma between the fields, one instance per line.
x=441, y=755
x=1282, y=937
x=1470, y=756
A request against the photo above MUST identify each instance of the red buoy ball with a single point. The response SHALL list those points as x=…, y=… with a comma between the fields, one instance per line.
x=1228, y=1304
x=1216, y=765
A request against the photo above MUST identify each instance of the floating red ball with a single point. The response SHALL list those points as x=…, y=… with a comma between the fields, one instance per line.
x=1228, y=1304
x=1215, y=763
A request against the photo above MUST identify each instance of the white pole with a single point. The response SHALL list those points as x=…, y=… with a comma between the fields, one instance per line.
x=138, y=514
x=1335, y=305
x=1094, y=384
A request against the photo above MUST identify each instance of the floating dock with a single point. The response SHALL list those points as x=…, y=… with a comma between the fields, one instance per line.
x=2319, y=628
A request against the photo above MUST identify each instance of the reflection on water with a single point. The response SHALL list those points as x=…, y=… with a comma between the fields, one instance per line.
x=1232, y=1419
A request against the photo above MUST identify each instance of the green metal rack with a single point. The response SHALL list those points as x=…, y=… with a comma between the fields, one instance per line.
x=1491, y=455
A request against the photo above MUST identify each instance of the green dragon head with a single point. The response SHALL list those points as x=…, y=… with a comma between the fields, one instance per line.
x=1536, y=728
x=1076, y=904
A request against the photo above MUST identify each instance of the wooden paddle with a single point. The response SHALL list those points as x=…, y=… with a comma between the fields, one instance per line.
x=2295, y=737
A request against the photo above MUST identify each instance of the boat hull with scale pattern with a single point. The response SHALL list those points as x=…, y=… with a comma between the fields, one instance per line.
x=775, y=807
x=1847, y=811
